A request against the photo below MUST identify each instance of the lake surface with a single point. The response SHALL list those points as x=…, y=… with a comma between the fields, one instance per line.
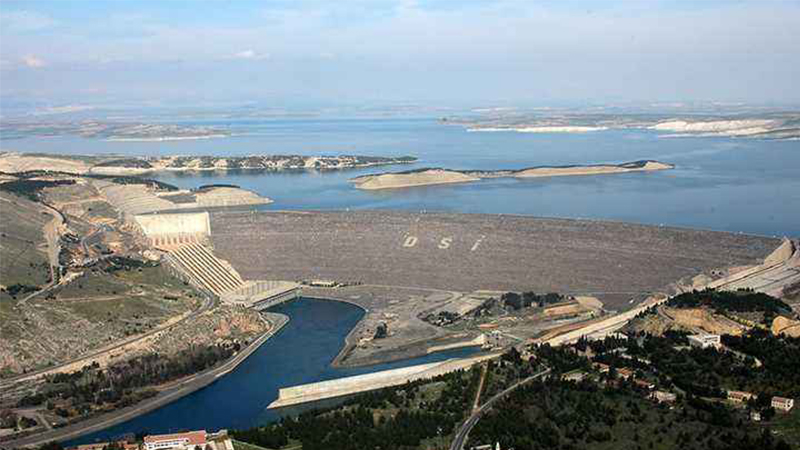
x=737, y=185
x=300, y=353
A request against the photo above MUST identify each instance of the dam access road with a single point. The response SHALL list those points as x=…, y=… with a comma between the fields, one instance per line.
x=781, y=268
x=166, y=394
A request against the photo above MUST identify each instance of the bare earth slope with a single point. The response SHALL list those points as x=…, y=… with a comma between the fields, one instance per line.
x=465, y=252
x=12, y=162
x=648, y=166
x=411, y=179
x=427, y=177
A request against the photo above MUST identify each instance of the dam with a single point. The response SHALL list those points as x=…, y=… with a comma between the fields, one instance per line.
x=612, y=261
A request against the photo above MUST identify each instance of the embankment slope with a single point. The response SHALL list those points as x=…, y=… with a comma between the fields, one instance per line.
x=466, y=252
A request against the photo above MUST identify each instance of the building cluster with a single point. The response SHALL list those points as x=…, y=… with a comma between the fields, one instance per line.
x=189, y=440
x=780, y=404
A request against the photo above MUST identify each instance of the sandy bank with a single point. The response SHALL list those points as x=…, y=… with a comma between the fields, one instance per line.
x=543, y=129
x=16, y=162
x=591, y=170
x=411, y=179
x=731, y=128
x=427, y=177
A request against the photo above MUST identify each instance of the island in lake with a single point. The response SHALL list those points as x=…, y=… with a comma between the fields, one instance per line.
x=432, y=176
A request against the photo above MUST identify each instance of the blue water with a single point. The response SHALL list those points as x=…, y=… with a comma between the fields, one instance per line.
x=300, y=353
x=737, y=185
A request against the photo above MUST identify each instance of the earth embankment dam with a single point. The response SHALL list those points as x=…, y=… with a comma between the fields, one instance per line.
x=613, y=261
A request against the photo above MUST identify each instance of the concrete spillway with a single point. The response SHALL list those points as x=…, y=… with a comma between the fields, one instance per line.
x=204, y=268
x=362, y=383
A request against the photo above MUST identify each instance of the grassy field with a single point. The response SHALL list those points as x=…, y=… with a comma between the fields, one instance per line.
x=788, y=426
x=103, y=306
x=239, y=445
x=155, y=276
x=134, y=299
x=98, y=283
x=22, y=258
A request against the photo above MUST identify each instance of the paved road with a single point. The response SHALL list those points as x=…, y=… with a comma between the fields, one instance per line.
x=5, y=384
x=466, y=427
x=170, y=394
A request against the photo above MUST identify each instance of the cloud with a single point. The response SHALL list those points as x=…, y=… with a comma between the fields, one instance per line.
x=33, y=62
x=251, y=55
x=25, y=21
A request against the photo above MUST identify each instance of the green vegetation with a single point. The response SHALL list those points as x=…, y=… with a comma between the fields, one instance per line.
x=516, y=301
x=727, y=301
x=239, y=445
x=208, y=187
x=780, y=358
x=707, y=372
x=134, y=163
x=9, y=419
x=788, y=425
x=22, y=260
x=124, y=383
x=116, y=263
x=394, y=418
x=559, y=414
x=32, y=189
x=155, y=184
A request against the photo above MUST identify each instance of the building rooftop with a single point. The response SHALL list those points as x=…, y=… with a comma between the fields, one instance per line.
x=193, y=437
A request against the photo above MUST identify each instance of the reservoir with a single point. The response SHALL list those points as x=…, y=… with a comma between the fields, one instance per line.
x=719, y=183
x=300, y=353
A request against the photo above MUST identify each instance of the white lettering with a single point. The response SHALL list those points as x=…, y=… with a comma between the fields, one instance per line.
x=476, y=244
x=410, y=241
x=444, y=244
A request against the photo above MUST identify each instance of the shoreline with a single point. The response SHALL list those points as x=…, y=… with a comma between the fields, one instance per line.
x=14, y=162
x=172, y=392
x=160, y=170
x=439, y=176
x=349, y=345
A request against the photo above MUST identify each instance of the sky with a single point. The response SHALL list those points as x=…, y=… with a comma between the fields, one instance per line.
x=531, y=52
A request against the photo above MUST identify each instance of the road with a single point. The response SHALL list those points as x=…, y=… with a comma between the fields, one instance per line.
x=7, y=383
x=484, y=371
x=52, y=237
x=166, y=395
x=469, y=424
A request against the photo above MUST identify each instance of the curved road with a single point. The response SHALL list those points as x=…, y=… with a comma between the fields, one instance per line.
x=167, y=395
x=466, y=427
x=204, y=306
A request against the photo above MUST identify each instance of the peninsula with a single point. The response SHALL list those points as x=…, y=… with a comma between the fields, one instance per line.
x=12, y=162
x=433, y=176
x=775, y=125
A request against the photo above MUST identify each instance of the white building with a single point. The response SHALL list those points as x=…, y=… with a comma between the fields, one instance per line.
x=705, y=340
x=663, y=397
x=740, y=396
x=782, y=403
x=184, y=441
